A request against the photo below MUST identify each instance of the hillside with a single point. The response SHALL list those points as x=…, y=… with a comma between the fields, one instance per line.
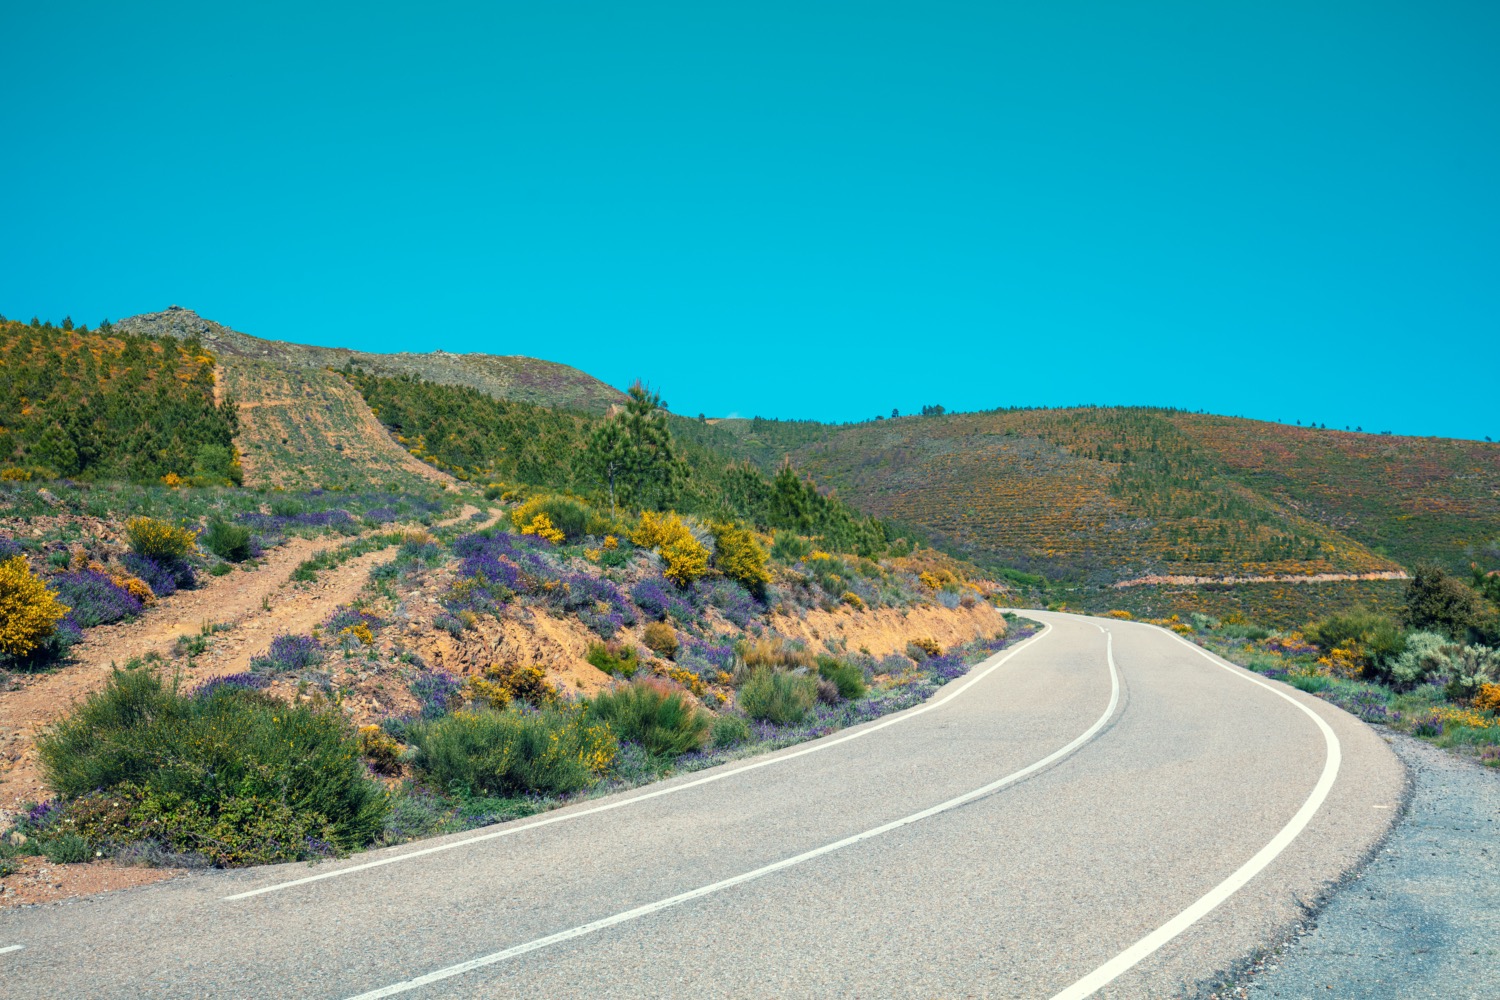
x=514, y=377
x=1104, y=495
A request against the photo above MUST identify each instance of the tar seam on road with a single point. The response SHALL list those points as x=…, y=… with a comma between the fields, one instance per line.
x=910, y=713
x=679, y=899
x=14, y=947
x=1127, y=959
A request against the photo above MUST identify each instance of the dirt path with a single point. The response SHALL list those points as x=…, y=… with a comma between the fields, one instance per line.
x=1143, y=581
x=257, y=605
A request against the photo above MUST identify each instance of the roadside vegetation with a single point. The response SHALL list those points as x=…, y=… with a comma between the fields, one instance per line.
x=1432, y=669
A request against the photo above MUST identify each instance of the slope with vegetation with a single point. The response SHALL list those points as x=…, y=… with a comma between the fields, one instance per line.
x=102, y=405
x=1099, y=495
x=503, y=377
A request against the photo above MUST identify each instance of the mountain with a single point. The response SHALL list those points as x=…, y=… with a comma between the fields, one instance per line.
x=514, y=377
x=1103, y=495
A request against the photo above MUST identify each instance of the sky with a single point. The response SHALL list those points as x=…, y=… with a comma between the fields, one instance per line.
x=1282, y=210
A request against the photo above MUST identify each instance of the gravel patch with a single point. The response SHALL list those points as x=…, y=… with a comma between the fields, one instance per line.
x=1423, y=918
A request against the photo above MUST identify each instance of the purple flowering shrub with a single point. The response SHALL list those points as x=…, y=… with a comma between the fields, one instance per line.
x=227, y=682
x=661, y=599
x=732, y=599
x=8, y=548
x=346, y=617
x=159, y=576
x=288, y=652
x=94, y=598
x=436, y=691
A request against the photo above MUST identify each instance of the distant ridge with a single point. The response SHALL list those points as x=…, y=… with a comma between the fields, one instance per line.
x=513, y=377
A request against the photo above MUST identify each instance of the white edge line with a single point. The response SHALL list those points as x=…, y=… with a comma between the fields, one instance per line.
x=974, y=677
x=13, y=947
x=1127, y=959
x=677, y=900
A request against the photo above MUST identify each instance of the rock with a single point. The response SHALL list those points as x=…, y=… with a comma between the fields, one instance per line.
x=17, y=838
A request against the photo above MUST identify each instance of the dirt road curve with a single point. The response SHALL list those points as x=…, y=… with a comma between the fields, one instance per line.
x=930, y=856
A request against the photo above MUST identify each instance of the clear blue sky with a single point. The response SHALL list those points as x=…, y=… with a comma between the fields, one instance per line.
x=1276, y=209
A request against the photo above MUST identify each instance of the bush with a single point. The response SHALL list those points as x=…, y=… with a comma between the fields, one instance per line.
x=729, y=730
x=658, y=600
x=848, y=679
x=230, y=542
x=567, y=517
x=1473, y=667
x=513, y=752
x=773, y=652
x=686, y=557
x=1422, y=658
x=739, y=556
x=158, y=539
x=68, y=849
x=287, y=653
x=1437, y=601
x=95, y=599
x=163, y=578
x=1375, y=638
x=790, y=548
x=774, y=696
x=614, y=658
x=660, y=638
x=379, y=750
x=436, y=691
x=29, y=611
x=225, y=760
x=649, y=713
x=502, y=683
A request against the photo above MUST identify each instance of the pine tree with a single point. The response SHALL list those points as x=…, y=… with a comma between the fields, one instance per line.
x=634, y=456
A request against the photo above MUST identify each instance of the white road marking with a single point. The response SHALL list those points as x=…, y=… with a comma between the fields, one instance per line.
x=509, y=830
x=817, y=852
x=12, y=947
x=1123, y=962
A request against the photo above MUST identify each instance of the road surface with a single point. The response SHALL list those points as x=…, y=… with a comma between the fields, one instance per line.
x=1103, y=810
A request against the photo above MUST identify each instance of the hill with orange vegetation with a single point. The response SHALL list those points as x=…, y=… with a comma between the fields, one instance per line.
x=1104, y=495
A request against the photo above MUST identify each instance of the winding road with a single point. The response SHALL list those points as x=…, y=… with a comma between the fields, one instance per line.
x=1104, y=810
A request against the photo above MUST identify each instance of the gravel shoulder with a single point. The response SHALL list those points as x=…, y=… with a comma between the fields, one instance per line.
x=1423, y=918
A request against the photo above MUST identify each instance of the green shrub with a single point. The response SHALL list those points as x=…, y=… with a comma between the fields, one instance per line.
x=1311, y=683
x=849, y=679
x=227, y=541
x=68, y=849
x=1473, y=667
x=781, y=698
x=513, y=752
x=787, y=547
x=660, y=719
x=1377, y=636
x=1422, y=658
x=729, y=730
x=1436, y=601
x=614, y=658
x=232, y=753
x=220, y=569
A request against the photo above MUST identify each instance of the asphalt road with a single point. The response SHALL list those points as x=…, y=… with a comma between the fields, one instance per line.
x=1106, y=801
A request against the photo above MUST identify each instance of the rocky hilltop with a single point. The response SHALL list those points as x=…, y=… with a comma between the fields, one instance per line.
x=505, y=377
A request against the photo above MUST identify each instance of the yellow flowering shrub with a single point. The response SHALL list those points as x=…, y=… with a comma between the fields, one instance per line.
x=135, y=587
x=929, y=581
x=1346, y=660
x=685, y=556
x=360, y=631
x=611, y=542
x=29, y=611
x=687, y=679
x=1123, y=616
x=380, y=749
x=13, y=474
x=853, y=600
x=541, y=526
x=1488, y=698
x=739, y=556
x=502, y=683
x=173, y=480
x=158, y=539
